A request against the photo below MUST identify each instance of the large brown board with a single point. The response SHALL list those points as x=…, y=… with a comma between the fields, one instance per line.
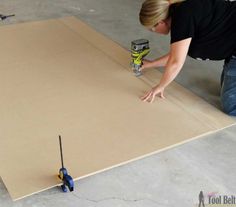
x=62, y=77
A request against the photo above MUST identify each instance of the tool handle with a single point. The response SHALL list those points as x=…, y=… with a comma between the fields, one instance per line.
x=62, y=164
x=6, y=16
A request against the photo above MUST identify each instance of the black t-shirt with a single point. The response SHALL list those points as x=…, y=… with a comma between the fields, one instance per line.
x=210, y=23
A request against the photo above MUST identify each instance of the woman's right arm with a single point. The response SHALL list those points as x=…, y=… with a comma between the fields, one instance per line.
x=160, y=62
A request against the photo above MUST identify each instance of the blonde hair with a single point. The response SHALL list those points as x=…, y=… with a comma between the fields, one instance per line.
x=154, y=11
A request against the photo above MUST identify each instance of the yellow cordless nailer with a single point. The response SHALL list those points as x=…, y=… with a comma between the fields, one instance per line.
x=139, y=49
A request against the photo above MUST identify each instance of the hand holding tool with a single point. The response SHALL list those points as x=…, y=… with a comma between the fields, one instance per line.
x=139, y=49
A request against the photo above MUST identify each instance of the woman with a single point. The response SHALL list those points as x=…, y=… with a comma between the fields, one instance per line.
x=203, y=29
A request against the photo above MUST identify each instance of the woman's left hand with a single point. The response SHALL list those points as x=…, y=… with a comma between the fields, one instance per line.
x=150, y=95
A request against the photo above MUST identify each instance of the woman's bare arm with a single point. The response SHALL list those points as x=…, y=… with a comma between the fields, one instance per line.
x=177, y=56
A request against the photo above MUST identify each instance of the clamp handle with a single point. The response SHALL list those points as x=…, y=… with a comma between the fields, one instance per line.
x=3, y=17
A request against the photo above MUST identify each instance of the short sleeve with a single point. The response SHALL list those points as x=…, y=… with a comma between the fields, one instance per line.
x=182, y=23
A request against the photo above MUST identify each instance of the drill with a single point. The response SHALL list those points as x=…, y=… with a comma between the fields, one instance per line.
x=139, y=49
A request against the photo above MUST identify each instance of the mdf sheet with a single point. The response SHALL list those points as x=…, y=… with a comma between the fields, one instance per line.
x=62, y=77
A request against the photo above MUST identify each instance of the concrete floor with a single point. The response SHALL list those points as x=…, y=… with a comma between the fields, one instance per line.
x=171, y=178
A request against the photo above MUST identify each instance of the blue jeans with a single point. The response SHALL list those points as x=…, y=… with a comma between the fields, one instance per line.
x=228, y=87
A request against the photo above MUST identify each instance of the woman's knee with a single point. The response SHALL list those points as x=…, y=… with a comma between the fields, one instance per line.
x=228, y=90
x=228, y=102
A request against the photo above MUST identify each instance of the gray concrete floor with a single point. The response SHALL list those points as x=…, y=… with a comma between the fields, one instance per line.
x=171, y=178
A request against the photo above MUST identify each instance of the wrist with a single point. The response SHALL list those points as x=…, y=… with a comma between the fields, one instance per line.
x=156, y=63
x=159, y=86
